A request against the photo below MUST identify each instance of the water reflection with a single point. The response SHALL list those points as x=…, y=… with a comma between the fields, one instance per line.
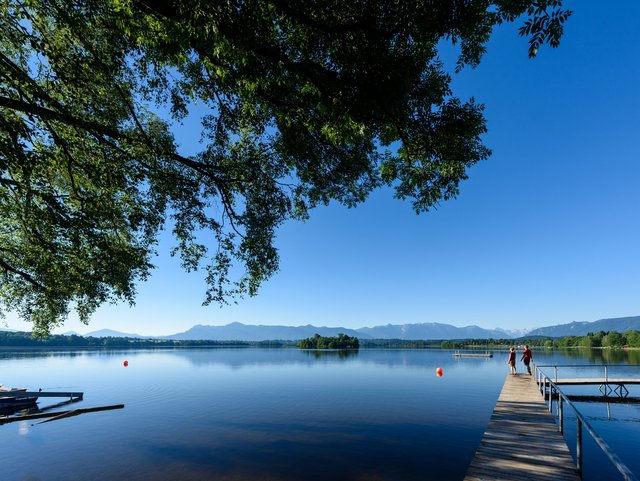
x=267, y=414
x=12, y=353
x=331, y=353
x=603, y=356
x=241, y=356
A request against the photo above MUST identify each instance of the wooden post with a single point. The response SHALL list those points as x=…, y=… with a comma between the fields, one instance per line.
x=560, y=415
x=539, y=379
x=579, y=447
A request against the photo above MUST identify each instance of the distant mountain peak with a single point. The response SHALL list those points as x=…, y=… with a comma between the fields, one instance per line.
x=112, y=333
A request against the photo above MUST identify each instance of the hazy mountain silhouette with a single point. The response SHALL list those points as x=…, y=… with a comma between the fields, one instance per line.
x=237, y=331
x=430, y=330
x=112, y=333
x=618, y=324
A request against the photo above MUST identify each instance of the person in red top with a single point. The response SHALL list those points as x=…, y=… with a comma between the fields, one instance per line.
x=527, y=356
x=512, y=360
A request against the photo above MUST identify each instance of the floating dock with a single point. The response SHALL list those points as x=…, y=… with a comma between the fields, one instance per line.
x=607, y=386
x=70, y=395
x=595, y=381
x=473, y=354
x=522, y=440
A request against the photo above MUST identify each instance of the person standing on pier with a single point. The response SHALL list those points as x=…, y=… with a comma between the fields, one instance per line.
x=512, y=360
x=527, y=355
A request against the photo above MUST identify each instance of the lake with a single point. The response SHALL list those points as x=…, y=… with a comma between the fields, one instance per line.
x=279, y=414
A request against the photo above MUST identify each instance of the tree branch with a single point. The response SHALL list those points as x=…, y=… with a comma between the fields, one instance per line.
x=97, y=128
x=20, y=273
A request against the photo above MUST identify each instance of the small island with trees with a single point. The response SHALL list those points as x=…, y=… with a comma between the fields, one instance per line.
x=342, y=341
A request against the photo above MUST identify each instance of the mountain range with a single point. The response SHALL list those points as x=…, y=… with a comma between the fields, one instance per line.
x=237, y=331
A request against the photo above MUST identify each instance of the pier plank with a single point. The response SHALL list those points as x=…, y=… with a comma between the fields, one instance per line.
x=522, y=439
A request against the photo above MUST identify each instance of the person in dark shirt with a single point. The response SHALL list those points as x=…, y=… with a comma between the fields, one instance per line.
x=527, y=356
x=512, y=360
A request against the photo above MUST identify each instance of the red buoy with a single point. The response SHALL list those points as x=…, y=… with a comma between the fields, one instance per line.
x=125, y=364
x=439, y=371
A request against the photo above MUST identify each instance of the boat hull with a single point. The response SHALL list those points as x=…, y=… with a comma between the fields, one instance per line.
x=16, y=401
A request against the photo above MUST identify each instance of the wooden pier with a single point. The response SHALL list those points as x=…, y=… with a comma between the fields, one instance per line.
x=522, y=439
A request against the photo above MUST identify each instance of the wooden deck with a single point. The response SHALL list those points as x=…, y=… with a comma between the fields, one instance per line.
x=522, y=441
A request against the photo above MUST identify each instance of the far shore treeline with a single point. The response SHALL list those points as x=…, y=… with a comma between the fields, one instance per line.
x=26, y=339
x=601, y=339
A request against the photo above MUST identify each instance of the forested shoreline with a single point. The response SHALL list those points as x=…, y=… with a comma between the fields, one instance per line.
x=25, y=339
x=604, y=340
x=601, y=339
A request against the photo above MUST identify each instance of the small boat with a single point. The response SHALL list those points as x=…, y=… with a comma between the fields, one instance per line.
x=14, y=401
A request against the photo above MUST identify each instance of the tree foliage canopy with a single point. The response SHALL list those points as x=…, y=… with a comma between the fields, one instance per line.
x=307, y=102
x=341, y=341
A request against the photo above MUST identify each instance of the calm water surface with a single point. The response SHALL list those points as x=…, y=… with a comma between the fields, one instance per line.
x=274, y=414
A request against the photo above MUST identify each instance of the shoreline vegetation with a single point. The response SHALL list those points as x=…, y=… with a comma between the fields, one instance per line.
x=599, y=340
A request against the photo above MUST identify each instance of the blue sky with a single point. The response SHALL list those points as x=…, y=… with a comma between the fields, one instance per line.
x=544, y=232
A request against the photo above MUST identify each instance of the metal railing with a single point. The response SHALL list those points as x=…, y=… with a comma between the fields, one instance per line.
x=549, y=389
x=591, y=367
